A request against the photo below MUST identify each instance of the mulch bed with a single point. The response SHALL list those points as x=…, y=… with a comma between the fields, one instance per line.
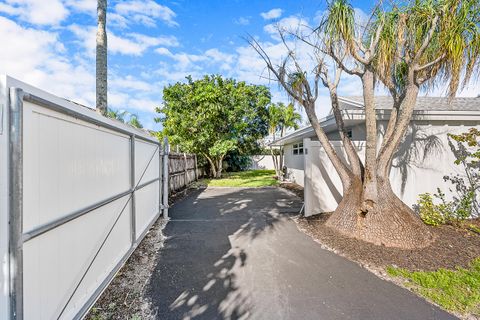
x=295, y=188
x=454, y=247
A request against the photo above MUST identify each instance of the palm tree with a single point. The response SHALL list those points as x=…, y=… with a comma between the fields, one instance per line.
x=101, y=58
x=290, y=120
x=406, y=47
x=281, y=118
x=121, y=116
x=274, y=119
x=134, y=122
x=116, y=114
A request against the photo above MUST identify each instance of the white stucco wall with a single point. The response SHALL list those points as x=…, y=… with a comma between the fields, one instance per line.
x=264, y=162
x=410, y=176
x=294, y=164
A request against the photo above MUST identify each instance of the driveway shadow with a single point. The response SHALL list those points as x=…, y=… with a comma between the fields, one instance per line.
x=206, y=251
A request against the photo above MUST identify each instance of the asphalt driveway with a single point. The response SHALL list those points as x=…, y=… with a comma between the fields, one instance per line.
x=234, y=253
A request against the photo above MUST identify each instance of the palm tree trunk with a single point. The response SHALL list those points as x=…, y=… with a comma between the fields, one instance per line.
x=101, y=58
x=274, y=159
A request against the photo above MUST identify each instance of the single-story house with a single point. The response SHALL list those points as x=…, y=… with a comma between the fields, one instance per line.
x=419, y=166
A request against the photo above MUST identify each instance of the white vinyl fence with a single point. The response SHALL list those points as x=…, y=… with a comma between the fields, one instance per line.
x=262, y=162
x=82, y=192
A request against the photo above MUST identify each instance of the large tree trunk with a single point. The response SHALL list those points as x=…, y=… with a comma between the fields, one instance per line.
x=389, y=222
x=101, y=58
x=213, y=172
x=369, y=192
x=352, y=155
x=386, y=220
x=219, y=168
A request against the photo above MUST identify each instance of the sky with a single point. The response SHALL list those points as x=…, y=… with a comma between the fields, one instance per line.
x=51, y=45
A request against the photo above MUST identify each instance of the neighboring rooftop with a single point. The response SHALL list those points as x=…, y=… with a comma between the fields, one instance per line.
x=423, y=103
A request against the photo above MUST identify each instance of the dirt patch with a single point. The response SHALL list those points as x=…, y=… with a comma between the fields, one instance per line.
x=454, y=247
x=291, y=186
x=125, y=298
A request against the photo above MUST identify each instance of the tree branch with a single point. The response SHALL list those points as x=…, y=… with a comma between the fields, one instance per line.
x=281, y=79
x=356, y=71
x=430, y=64
x=427, y=40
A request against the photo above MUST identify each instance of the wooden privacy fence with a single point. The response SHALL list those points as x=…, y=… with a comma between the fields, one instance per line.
x=182, y=170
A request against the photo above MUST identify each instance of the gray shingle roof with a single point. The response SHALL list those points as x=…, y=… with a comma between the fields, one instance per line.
x=427, y=103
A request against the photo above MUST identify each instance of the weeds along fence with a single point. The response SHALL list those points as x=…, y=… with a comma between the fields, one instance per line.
x=78, y=192
x=183, y=170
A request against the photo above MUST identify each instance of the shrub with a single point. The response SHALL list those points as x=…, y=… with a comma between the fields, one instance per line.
x=466, y=148
x=237, y=162
x=429, y=212
x=445, y=211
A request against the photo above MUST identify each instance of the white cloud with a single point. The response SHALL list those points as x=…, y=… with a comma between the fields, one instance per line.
x=132, y=44
x=168, y=41
x=194, y=63
x=293, y=24
x=129, y=82
x=146, y=12
x=219, y=56
x=164, y=52
x=144, y=104
x=244, y=21
x=39, y=12
x=272, y=14
x=38, y=58
x=117, y=20
x=89, y=6
x=184, y=60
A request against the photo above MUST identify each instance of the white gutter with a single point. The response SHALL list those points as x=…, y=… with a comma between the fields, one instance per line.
x=350, y=115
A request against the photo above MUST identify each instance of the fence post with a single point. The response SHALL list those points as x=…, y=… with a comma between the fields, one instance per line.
x=15, y=186
x=132, y=185
x=186, y=168
x=195, y=166
x=166, y=151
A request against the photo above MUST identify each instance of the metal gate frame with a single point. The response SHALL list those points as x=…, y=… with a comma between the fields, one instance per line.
x=15, y=185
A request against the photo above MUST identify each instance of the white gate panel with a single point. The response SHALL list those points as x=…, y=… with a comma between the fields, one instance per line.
x=69, y=164
x=146, y=203
x=82, y=192
x=55, y=261
x=146, y=157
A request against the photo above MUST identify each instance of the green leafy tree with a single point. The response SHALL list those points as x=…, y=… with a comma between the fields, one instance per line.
x=212, y=116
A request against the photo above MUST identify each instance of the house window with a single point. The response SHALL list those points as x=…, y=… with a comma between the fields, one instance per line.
x=298, y=148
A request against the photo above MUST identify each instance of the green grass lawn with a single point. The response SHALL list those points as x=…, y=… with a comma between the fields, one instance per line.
x=455, y=290
x=251, y=178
